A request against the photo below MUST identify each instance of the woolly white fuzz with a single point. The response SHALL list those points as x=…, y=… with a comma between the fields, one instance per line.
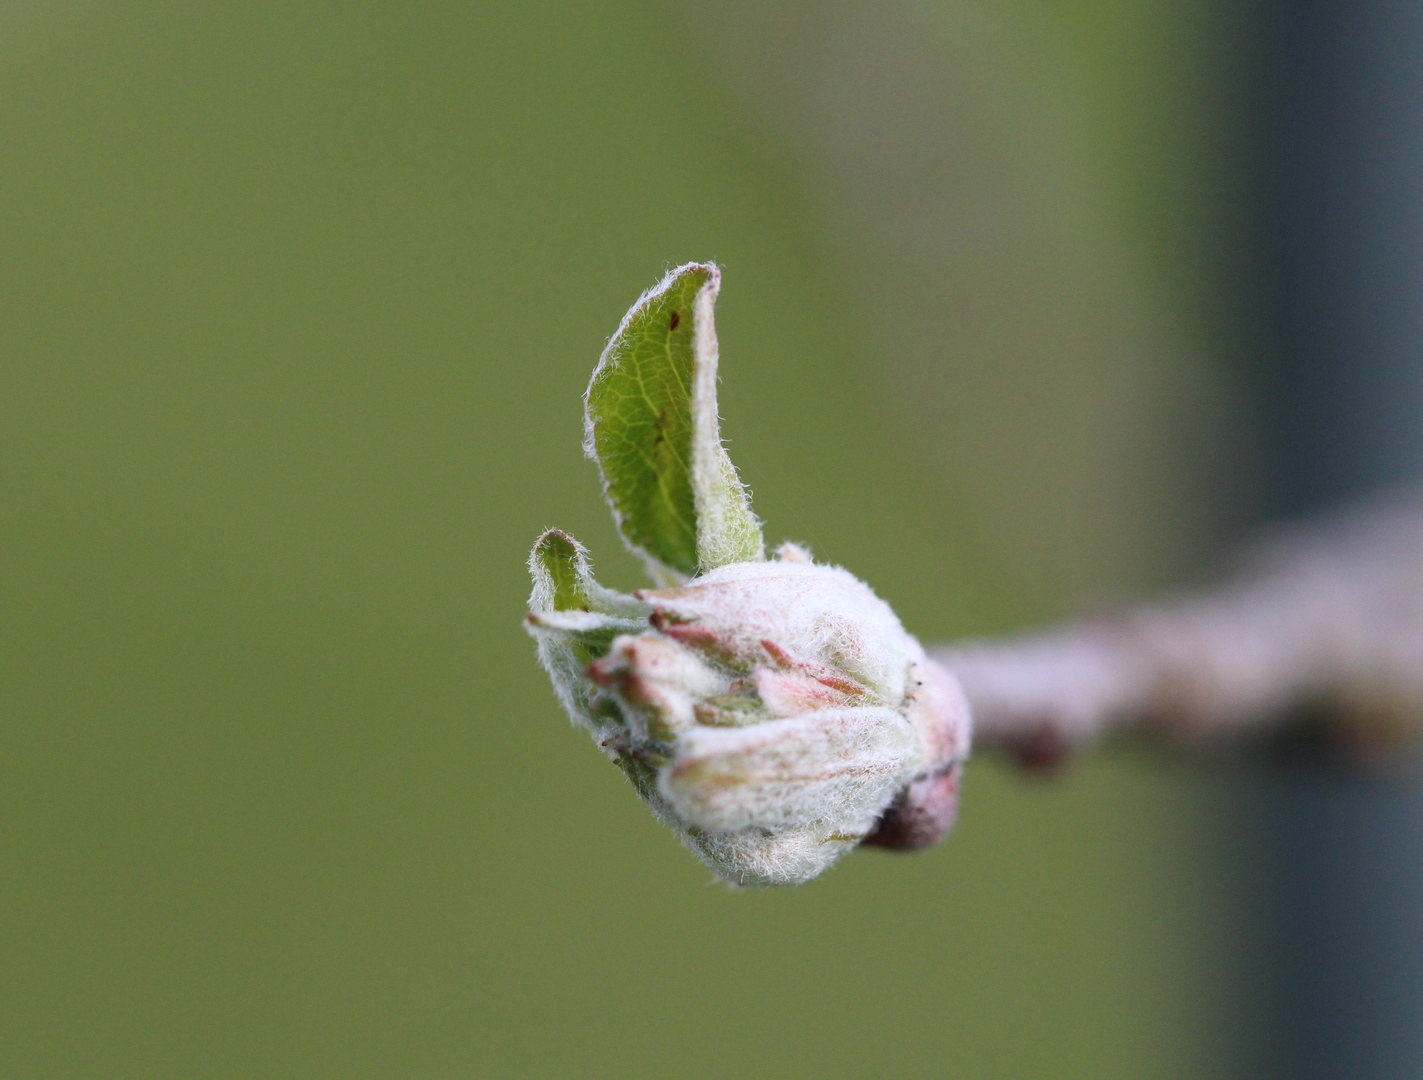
x=770, y=712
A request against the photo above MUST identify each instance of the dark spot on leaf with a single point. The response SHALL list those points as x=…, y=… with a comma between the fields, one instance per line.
x=676, y=318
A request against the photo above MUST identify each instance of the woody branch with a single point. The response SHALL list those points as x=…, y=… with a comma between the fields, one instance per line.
x=1323, y=620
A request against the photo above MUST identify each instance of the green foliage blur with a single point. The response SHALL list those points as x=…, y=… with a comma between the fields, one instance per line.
x=299, y=303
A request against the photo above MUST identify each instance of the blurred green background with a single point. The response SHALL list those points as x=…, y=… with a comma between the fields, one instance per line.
x=299, y=303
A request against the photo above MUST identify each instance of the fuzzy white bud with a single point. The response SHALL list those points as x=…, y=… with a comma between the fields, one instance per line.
x=775, y=714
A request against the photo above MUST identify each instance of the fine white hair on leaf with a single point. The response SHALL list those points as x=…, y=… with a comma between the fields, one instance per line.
x=838, y=766
x=727, y=529
x=755, y=857
x=819, y=613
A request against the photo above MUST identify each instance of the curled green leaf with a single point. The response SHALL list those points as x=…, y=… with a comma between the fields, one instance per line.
x=651, y=424
x=559, y=566
x=574, y=620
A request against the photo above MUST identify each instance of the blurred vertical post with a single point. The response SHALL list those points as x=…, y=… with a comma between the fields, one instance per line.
x=1342, y=217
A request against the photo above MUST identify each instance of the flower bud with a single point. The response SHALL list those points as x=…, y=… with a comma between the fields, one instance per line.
x=773, y=713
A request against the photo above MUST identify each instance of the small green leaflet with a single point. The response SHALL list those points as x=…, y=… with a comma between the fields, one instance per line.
x=559, y=565
x=574, y=620
x=652, y=426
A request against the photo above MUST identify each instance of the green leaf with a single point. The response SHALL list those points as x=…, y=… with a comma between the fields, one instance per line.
x=652, y=426
x=563, y=581
x=574, y=621
x=559, y=565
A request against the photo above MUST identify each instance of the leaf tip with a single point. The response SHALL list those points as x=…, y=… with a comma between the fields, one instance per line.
x=559, y=566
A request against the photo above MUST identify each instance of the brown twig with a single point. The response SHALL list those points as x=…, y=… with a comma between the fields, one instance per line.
x=1324, y=619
